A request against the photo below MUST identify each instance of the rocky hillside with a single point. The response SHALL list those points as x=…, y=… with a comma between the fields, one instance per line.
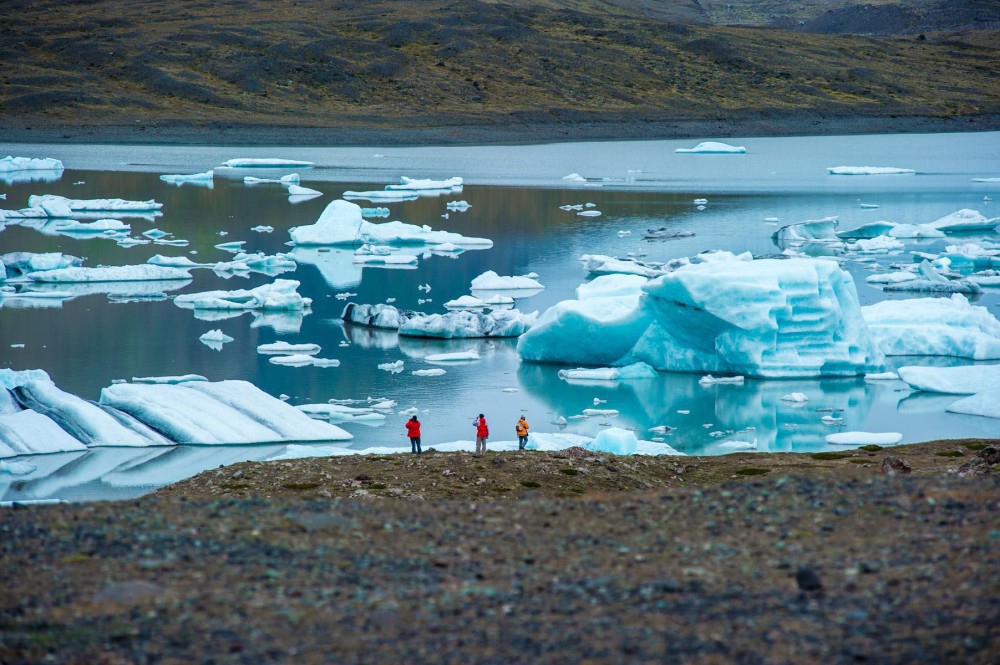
x=310, y=63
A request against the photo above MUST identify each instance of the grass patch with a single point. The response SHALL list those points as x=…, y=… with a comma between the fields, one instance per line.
x=829, y=456
x=859, y=460
x=76, y=557
x=530, y=484
x=975, y=446
x=569, y=472
x=301, y=486
x=752, y=471
x=950, y=453
x=871, y=448
x=376, y=486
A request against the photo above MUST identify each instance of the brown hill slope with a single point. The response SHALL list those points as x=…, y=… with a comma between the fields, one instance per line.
x=346, y=64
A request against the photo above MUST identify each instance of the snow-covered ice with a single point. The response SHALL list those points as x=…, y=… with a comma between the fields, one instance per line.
x=962, y=380
x=91, y=205
x=712, y=148
x=868, y=170
x=11, y=164
x=608, y=374
x=428, y=372
x=180, y=179
x=282, y=347
x=297, y=190
x=265, y=162
x=135, y=273
x=491, y=281
x=452, y=357
x=279, y=295
x=709, y=380
x=864, y=438
x=964, y=220
x=417, y=184
x=934, y=327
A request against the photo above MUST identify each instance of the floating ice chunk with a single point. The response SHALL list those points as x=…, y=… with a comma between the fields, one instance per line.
x=868, y=170
x=934, y=326
x=614, y=440
x=882, y=376
x=21, y=263
x=709, y=380
x=832, y=420
x=607, y=286
x=214, y=339
x=602, y=374
x=207, y=176
x=342, y=413
x=415, y=184
x=739, y=445
x=380, y=195
x=599, y=264
x=574, y=177
x=282, y=347
x=376, y=316
x=296, y=190
x=471, y=302
x=183, y=378
x=600, y=412
x=986, y=403
x=279, y=295
x=623, y=233
x=986, y=180
x=491, y=281
x=469, y=324
x=965, y=380
x=382, y=255
x=589, y=213
x=452, y=357
x=136, y=273
x=267, y=162
x=341, y=223
x=108, y=227
x=374, y=212
x=712, y=148
x=173, y=262
x=11, y=164
x=877, y=245
x=233, y=247
x=891, y=277
x=428, y=372
x=964, y=220
x=459, y=206
x=393, y=368
x=92, y=205
x=302, y=359
x=869, y=206
x=798, y=398
x=864, y=438
x=29, y=433
x=700, y=202
x=814, y=230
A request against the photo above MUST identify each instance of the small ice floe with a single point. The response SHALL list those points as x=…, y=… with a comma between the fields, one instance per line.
x=418, y=184
x=491, y=281
x=662, y=429
x=881, y=376
x=284, y=398
x=683, y=412
x=412, y=411
x=375, y=212
x=265, y=163
x=445, y=216
x=964, y=220
x=589, y=213
x=343, y=344
x=392, y=368
x=700, y=202
x=302, y=360
x=382, y=254
x=986, y=180
x=214, y=339
x=290, y=179
x=279, y=296
x=198, y=178
x=447, y=248
x=232, y=247
x=55, y=204
x=426, y=288
x=17, y=346
x=798, y=398
x=864, y=438
x=574, y=177
x=471, y=302
x=877, y=245
x=571, y=206
x=458, y=206
x=832, y=420
x=712, y=148
x=169, y=380
x=345, y=295
x=772, y=219
x=296, y=190
x=380, y=195
x=663, y=233
x=623, y=233
x=508, y=390
x=284, y=348
x=340, y=413
x=709, y=380
x=155, y=234
x=452, y=357
x=891, y=277
x=608, y=374
x=868, y=170
x=869, y=206
x=739, y=445
x=110, y=228
x=131, y=273
x=428, y=372
x=421, y=301
x=600, y=412
x=11, y=164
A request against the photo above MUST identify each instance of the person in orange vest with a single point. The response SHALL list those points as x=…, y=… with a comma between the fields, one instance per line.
x=482, y=433
x=413, y=431
x=522, y=433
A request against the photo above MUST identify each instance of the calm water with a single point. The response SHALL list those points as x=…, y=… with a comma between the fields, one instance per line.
x=515, y=194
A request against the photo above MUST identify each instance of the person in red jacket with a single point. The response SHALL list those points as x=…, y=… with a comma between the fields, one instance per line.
x=482, y=433
x=413, y=431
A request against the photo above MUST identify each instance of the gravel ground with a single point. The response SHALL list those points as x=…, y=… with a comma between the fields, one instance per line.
x=815, y=567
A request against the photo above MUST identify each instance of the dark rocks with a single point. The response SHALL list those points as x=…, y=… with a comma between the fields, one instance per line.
x=894, y=466
x=808, y=580
x=982, y=464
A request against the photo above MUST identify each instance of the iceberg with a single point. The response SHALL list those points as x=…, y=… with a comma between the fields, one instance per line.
x=608, y=374
x=491, y=281
x=614, y=440
x=296, y=190
x=136, y=273
x=612, y=286
x=380, y=195
x=11, y=164
x=877, y=245
x=452, y=325
x=934, y=327
x=29, y=433
x=600, y=264
x=207, y=176
x=964, y=380
x=891, y=277
x=414, y=184
x=341, y=223
x=285, y=348
x=281, y=295
x=986, y=404
x=964, y=220
x=458, y=206
x=22, y=263
x=930, y=281
x=267, y=162
x=868, y=170
x=864, y=438
x=92, y=205
x=712, y=148
x=762, y=318
x=428, y=372
x=471, y=302
x=290, y=179
x=814, y=230
x=216, y=337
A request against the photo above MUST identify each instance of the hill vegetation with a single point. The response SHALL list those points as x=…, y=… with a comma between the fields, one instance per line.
x=307, y=63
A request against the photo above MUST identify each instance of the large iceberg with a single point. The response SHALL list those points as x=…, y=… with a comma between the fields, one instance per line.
x=964, y=220
x=934, y=327
x=712, y=148
x=341, y=223
x=10, y=164
x=768, y=318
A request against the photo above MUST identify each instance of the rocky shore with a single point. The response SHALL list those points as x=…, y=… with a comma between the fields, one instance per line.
x=794, y=559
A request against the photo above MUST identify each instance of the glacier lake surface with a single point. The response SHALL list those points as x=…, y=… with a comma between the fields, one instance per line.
x=116, y=331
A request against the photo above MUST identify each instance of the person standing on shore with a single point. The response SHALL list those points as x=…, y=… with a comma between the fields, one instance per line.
x=482, y=433
x=522, y=433
x=413, y=431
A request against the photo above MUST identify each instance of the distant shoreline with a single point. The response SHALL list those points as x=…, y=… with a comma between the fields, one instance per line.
x=185, y=132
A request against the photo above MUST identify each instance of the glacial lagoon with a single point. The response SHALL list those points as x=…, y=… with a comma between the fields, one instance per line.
x=113, y=331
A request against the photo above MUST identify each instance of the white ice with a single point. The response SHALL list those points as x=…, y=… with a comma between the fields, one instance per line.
x=891, y=277
x=934, y=327
x=411, y=184
x=797, y=398
x=29, y=432
x=709, y=380
x=614, y=440
x=428, y=372
x=281, y=295
x=963, y=380
x=266, y=162
x=92, y=205
x=964, y=220
x=814, y=230
x=471, y=302
x=469, y=324
x=605, y=374
x=712, y=148
x=296, y=190
x=302, y=360
x=22, y=263
x=135, y=273
x=11, y=164
x=986, y=404
x=381, y=195
x=207, y=176
x=868, y=170
x=282, y=347
x=452, y=357
x=491, y=281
